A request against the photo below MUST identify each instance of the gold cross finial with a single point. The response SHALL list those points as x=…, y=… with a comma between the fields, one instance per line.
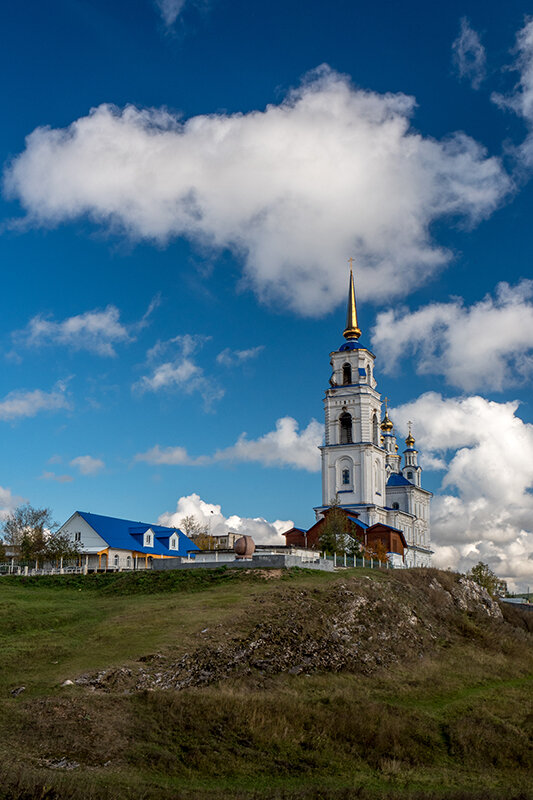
x=409, y=423
x=386, y=400
x=350, y=261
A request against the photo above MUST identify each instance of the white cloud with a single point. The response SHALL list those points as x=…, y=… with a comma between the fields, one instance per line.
x=97, y=331
x=521, y=100
x=18, y=404
x=232, y=358
x=485, y=345
x=52, y=476
x=181, y=371
x=285, y=447
x=484, y=510
x=8, y=502
x=293, y=190
x=174, y=456
x=87, y=465
x=170, y=10
x=210, y=515
x=469, y=55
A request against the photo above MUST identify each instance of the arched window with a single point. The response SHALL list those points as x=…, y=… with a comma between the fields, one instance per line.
x=346, y=476
x=375, y=430
x=116, y=560
x=346, y=374
x=409, y=476
x=345, y=420
x=368, y=374
x=396, y=506
x=128, y=561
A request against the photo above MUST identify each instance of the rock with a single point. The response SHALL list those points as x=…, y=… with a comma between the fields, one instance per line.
x=18, y=690
x=68, y=682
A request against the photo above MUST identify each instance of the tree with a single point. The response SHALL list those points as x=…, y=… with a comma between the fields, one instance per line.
x=2, y=551
x=60, y=547
x=198, y=533
x=27, y=529
x=484, y=576
x=338, y=534
x=378, y=551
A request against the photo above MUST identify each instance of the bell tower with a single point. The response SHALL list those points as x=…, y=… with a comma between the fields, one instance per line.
x=353, y=458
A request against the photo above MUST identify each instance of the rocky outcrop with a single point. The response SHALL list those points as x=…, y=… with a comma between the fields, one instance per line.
x=357, y=625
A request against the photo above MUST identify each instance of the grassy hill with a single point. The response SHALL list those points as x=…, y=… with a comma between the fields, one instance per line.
x=237, y=684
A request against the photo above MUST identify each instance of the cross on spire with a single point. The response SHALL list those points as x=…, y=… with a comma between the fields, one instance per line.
x=350, y=261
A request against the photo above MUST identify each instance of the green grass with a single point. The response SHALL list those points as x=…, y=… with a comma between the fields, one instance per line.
x=452, y=725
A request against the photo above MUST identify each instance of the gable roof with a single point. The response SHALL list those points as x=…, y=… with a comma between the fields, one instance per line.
x=125, y=534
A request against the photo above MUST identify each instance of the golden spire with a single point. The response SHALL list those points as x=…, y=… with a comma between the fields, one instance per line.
x=386, y=423
x=351, y=330
x=410, y=439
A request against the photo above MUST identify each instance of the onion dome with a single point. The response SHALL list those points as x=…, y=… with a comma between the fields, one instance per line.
x=386, y=423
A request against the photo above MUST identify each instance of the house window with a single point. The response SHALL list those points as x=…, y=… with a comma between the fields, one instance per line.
x=77, y=537
x=173, y=543
x=116, y=560
x=346, y=476
x=148, y=540
x=346, y=374
x=345, y=420
x=396, y=506
x=128, y=561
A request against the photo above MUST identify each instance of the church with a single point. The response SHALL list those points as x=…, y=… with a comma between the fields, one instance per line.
x=362, y=469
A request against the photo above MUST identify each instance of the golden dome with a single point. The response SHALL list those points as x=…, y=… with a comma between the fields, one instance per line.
x=410, y=440
x=386, y=423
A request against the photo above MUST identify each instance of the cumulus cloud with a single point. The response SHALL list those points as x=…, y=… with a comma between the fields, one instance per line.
x=175, y=368
x=285, y=446
x=233, y=358
x=211, y=516
x=293, y=190
x=96, y=331
x=486, y=345
x=19, y=404
x=170, y=10
x=469, y=55
x=521, y=99
x=484, y=509
x=8, y=502
x=87, y=465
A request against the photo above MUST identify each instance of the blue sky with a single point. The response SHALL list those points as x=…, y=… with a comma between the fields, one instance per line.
x=174, y=242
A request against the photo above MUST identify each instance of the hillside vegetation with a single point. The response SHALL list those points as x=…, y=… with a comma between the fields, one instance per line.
x=247, y=684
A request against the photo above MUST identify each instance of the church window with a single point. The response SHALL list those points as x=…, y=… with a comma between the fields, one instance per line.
x=375, y=430
x=345, y=420
x=346, y=374
x=368, y=374
x=409, y=476
x=346, y=476
x=396, y=506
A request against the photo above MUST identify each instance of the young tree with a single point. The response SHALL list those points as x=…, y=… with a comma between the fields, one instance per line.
x=338, y=534
x=483, y=575
x=191, y=527
x=377, y=551
x=2, y=551
x=60, y=548
x=27, y=530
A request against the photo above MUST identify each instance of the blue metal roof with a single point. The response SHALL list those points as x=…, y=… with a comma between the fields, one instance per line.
x=351, y=344
x=358, y=522
x=398, y=480
x=124, y=534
